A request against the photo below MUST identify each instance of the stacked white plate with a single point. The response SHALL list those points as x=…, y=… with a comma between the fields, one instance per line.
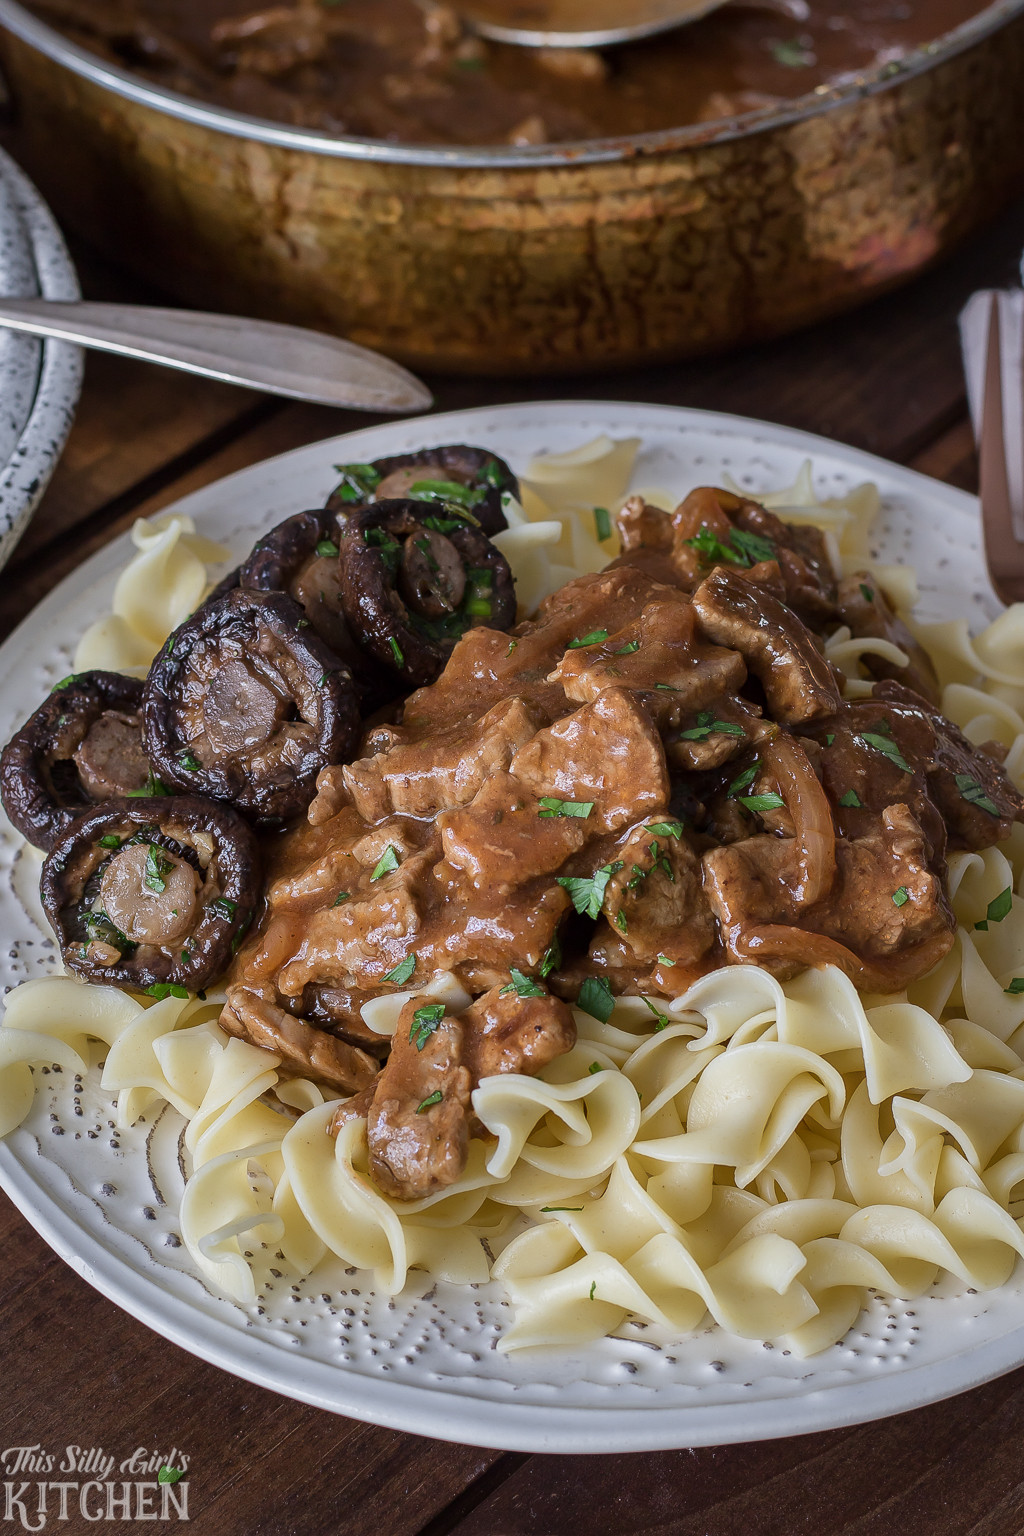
x=40, y=381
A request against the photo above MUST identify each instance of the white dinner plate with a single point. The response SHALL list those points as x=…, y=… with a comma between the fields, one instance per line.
x=426, y=1361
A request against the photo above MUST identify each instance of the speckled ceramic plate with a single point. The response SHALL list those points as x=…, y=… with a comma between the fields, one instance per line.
x=426, y=1361
x=40, y=381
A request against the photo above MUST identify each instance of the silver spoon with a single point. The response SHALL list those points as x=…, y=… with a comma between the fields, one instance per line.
x=579, y=23
x=259, y=354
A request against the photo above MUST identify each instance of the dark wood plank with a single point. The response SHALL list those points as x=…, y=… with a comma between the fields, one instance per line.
x=258, y=1462
x=950, y=1470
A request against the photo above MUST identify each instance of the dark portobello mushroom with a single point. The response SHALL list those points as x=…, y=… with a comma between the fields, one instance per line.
x=246, y=704
x=152, y=893
x=82, y=745
x=473, y=478
x=414, y=578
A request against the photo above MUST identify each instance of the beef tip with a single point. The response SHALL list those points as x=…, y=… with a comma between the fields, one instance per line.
x=421, y=778
x=798, y=682
x=661, y=655
x=885, y=922
x=802, y=557
x=82, y=745
x=864, y=609
x=418, y=1125
x=607, y=753
x=970, y=788
x=656, y=899
x=502, y=839
x=701, y=741
x=304, y=1050
x=503, y=1032
x=504, y=928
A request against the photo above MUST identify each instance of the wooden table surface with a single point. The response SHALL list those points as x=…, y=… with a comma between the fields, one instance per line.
x=76, y=1371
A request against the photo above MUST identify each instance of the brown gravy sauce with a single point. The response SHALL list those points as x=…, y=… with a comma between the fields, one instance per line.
x=409, y=72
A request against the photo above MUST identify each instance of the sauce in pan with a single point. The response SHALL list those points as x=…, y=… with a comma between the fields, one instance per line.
x=407, y=71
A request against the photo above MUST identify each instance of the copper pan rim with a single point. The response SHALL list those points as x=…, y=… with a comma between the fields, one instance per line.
x=37, y=34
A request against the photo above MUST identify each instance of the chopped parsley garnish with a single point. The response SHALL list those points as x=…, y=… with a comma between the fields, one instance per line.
x=402, y=971
x=158, y=866
x=667, y=828
x=387, y=863
x=594, y=1068
x=743, y=549
x=522, y=985
x=885, y=745
x=358, y=482
x=759, y=803
x=100, y=929
x=999, y=907
x=662, y=1018
x=478, y=602
x=587, y=891
x=447, y=491
x=974, y=794
x=493, y=475
x=511, y=647
x=435, y=1098
x=396, y=651
x=189, y=762
x=152, y=786
x=707, y=726
x=743, y=780
x=621, y=923
x=341, y=898
x=593, y=1288
x=602, y=524
x=387, y=547
x=664, y=960
x=753, y=545
x=1016, y=987
x=327, y=548
x=629, y=649
x=224, y=907
x=594, y=638
x=550, y=1210
x=851, y=801
x=552, y=957
x=425, y=1022
x=162, y=989
x=110, y=841
x=866, y=593
x=791, y=53
x=579, y=809
x=595, y=998
x=901, y=897
x=65, y=682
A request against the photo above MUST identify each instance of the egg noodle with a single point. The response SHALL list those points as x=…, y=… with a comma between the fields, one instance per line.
x=760, y=1152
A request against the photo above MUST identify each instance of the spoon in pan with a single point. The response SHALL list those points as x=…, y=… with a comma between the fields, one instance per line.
x=259, y=354
x=579, y=23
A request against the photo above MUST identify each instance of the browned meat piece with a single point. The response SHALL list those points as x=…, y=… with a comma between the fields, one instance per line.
x=863, y=607
x=661, y=655
x=970, y=788
x=503, y=1032
x=798, y=682
x=501, y=839
x=417, y=1127
x=483, y=669
x=422, y=778
x=802, y=558
x=355, y=1108
x=305, y=1051
x=885, y=922
x=607, y=753
x=656, y=900
x=713, y=736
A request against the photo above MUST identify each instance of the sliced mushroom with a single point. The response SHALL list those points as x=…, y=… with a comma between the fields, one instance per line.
x=84, y=744
x=414, y=578
x=471, y=478
x=152, y=893
x=246, y=704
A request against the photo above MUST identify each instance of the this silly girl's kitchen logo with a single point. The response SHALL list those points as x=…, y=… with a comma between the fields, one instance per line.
x=43, y=1488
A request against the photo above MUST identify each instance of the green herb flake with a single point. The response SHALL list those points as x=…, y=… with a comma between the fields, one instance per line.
x=999, y=907
x=224, y=907
x=152, y=786
x=1016, y=987
x=664, y=960
x=341, y=898
x=974, y=794
x=707, y=726
x=901, y=897
x=851, y=801
x=162, y=989
x=158, y=866
x=792, y=53
x=866, y=593
x=447, y=491
x=743, y=780
x=587, y=892
x=629, y=649
x=396, y=651
x=830, y=738
x=65, y=682
x=662, y=1018
x=402, y=971
x=387, y=863
x=594, y=1068
x=666, y=828
x=595, y=637
x=753, y=545
x=761, y=803
x=552, y=957
x=576, y=809
x=595, y=998
x=358, y=482
x=435, y=1098
x=550, y=1210
x=522, y=985
x=602, y=524
x=189, y=762
x=621, y=923
x=593, y=1289
x=327, y=548
x=511, y=647
x=887, y=747
x=426, y=1021
x=110, y=841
